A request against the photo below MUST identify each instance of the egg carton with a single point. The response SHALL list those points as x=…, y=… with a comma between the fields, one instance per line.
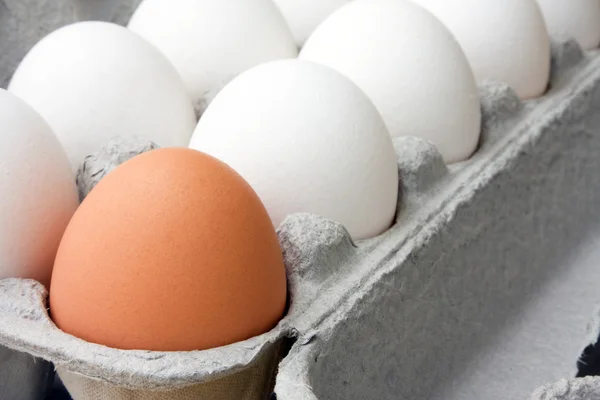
x=23, y=376
x=482, y=289
x=403, y=315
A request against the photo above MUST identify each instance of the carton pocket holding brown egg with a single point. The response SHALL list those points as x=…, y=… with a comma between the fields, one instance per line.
x=243, y=370
x=379, y=302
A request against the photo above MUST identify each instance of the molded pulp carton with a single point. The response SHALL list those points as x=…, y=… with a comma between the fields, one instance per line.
x=485, y=288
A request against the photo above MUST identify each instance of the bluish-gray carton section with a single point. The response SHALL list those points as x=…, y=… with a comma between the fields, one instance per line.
x=23, y=376
x=432, y=305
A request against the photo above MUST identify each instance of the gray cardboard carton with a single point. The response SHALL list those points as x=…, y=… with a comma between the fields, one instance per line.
x=484, y=287
x=481, y=290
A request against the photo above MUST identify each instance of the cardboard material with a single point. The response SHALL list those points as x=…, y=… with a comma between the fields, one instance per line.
x=477, y=292
x=23, y=377
x=480, y=290
x=114, y=153
x=255, y=382
x=117, y=11
x=570, y=389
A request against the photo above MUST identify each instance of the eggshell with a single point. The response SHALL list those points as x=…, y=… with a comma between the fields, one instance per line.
x=212, y=41
x=38, y=189
x=171, y=251
x=303, y=16
x=409, y=64
x=307, y=140
x=579, y=19
x=504, y=40
x=94, y=80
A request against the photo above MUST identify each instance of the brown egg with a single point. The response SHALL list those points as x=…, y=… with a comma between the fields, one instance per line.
x=172, y=251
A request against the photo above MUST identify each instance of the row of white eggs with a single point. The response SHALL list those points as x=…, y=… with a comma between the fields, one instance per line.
x=309, y=135
x=573, y=18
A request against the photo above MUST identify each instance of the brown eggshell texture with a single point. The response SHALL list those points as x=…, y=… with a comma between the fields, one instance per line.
x=172, y=251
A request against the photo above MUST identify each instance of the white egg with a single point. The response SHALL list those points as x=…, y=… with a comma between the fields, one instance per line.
x=92, y=81
x=504, y=40
x=409, y=64
x=579, y=19
x=39, y=194
x=307, y=140
x=303, y=16
x=211, y=41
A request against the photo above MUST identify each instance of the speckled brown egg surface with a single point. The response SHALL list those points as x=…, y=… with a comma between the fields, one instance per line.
x=172, y=251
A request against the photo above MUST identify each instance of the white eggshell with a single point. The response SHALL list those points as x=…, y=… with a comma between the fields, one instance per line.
x=212, y=41
x=92, y=81
x=303, y=16
x=39, y=194
x=307, y=140
x=409, y=64
x=579, y=19
x=504, y=40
